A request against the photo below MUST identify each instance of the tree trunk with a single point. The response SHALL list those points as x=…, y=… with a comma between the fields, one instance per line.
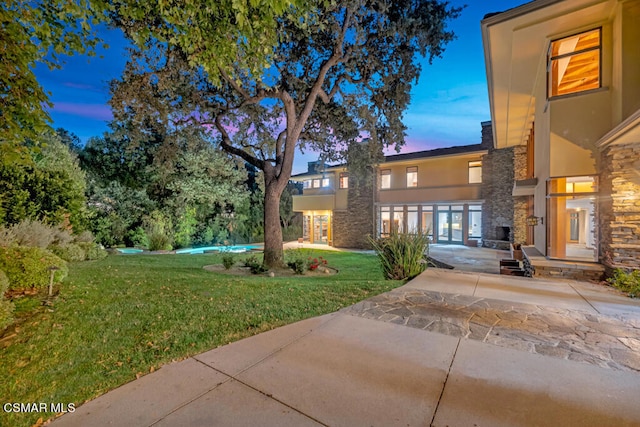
x=273, y=254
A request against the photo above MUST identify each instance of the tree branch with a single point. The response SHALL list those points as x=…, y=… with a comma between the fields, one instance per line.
x=227, y=145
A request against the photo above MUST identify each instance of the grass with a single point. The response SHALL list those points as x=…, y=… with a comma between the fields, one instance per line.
x=125, y=316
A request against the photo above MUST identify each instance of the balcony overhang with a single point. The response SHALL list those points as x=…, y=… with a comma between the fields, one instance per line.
x=515, y=51
x=320, y=202
x=525, y=187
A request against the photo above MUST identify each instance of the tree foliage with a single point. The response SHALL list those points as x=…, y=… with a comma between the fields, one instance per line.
x=36, y=32
x=168, y=186
x=343, y=72
x=44, y=184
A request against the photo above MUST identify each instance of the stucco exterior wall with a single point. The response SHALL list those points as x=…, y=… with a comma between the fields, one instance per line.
x=432, y=172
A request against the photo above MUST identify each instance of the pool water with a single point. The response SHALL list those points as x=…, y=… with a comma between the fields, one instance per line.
x=128, y=251
x=229, y=249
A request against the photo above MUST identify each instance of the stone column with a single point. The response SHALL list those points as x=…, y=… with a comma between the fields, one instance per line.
x=619, y=207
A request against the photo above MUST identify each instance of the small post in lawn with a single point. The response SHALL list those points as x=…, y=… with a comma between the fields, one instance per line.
x=53, y=270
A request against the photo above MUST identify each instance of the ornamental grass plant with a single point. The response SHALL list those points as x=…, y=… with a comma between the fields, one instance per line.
x=402, y=255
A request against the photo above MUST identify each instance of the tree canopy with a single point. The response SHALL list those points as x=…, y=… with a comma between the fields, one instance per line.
x=341, y=72
x=38, y=32
x=44, y=31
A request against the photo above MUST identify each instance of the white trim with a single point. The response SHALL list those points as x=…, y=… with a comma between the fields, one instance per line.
x=625, y=132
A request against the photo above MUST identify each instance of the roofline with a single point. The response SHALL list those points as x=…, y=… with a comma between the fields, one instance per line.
x=498, y=18
x=405, y=157
x=515, y=12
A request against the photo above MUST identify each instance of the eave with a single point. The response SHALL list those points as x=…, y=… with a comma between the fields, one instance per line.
x=515, y=48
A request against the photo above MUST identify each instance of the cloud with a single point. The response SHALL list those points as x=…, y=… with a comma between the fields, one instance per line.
x=91, y=111
x=81, y=86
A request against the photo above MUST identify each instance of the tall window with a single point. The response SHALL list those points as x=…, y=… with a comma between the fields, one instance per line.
x=475, y=221
x=475, y=172
x=412, y=219
x=427, y=220
x=344, y=180
x=385, y=178
x=307, y=183
x=412, y=176
x=574, y=63
x=325, y=182
x=316, y=183
x=385, y=221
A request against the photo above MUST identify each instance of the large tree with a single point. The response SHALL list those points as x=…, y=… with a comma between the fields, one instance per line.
x=340, y=72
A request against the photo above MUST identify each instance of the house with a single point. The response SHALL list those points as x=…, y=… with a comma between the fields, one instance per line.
x=436, y=191
x=564, y=90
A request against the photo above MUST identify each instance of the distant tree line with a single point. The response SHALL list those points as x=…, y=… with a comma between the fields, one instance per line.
x=168, y=189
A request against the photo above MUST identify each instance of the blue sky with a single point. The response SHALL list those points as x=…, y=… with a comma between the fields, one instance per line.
x=446, y=108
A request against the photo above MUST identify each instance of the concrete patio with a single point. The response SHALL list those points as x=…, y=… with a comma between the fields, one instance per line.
x=446, y=349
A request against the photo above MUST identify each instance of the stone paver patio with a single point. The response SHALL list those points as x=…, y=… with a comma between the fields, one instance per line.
x=601, y=340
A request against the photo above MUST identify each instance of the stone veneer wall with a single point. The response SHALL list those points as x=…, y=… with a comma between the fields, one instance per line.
x=497, y=186
x=620, y=213
x=520, y=203
x=351, y=227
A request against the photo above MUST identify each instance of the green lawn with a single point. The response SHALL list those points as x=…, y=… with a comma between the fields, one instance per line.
x=125, y=316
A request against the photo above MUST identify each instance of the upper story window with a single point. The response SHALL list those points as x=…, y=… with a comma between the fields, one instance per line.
x=316, y=183
x=344, y=180
x=574, y=63
x=385, y=178
x=475, y=172
x=412, y=176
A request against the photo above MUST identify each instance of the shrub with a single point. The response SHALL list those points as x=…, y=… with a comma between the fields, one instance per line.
x=297, y=261
x=92, y=251
x=6, y=307
x=314, y=263
x=69, y=252
x=29, y=267
x=228, y=260
x=255, y=265
x=84, y=237
x=137, y=237
x=402, y=254
x=626, y=281
x=34, y=234
x=158, y=241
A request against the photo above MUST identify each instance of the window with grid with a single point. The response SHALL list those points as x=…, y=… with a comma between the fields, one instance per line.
x=574, y=63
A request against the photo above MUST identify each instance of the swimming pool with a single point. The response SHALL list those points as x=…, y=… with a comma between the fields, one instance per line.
x=129, y=251
x=236, y=249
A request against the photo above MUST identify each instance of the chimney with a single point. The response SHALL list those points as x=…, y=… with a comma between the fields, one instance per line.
x=487, y=135
x=315, y=167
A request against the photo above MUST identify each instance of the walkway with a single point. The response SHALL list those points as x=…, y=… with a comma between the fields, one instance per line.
x=447, y=349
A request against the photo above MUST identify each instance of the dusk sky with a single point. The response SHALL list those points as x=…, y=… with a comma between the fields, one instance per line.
x=446, y=108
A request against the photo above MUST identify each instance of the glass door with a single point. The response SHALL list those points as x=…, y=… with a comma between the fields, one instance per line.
x=455, y=235
x=320, y=229
x=450, y=226
x=444, y=223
